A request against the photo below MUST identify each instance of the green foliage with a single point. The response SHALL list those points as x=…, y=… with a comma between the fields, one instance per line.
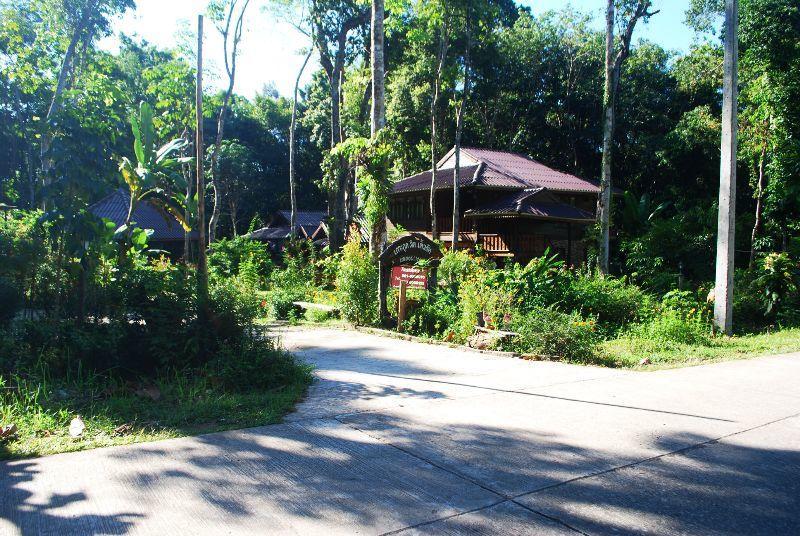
x=435, y=315
x=243, y=258
x=156, y=177
x=257, y=364
x=484, y=296
x=777, y=282
x=281, y=303
x=357, y=284
x=550, y=333
x=11, y=301
x=672, y=326
x=458, y=265
x=318, y=315
x=612, y=301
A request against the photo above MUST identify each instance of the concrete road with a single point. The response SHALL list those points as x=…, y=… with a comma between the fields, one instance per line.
x=399, y=437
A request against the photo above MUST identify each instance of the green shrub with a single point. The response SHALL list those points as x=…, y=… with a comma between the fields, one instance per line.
x=484, y=294
x=281, y=303
x=241, y=257
x=357, y=284
x=671, y=326
x=11, y=300
x=299, y=271
x=614, y=302
x=318, y=315
x=256, y=364
x=551, y=333
x=435, y=315
x=233, y=310
x=456, y=266
x=776, y=282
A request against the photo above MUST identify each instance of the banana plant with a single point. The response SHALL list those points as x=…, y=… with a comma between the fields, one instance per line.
x=638, y=213
x=156, y=177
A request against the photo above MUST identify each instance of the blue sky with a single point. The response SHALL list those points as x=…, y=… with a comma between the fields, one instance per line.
x=271, y=48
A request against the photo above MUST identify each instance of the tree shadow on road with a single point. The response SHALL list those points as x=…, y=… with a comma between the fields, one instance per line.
x=23, y=511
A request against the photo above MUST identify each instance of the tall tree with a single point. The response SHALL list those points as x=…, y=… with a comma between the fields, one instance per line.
x=460, y=127
x=726, y=220
x=202, y=263
x=441, y=58
x=82, y=21
x=230, y=24
x=616, y=54
x=293, y=149
x=378, y=115
x=333, y=21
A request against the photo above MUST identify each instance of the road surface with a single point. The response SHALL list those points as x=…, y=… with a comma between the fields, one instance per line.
x=401, y=437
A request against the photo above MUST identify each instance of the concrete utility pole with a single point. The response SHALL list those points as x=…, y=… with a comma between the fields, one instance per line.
x=723, y=291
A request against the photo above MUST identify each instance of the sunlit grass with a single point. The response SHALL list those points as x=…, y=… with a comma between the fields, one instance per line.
x=630, y=351
x=42, y=410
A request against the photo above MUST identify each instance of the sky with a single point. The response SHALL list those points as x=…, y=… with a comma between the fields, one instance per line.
x=271, y=50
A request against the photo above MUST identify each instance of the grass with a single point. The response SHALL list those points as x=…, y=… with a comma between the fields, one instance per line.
x=629, y=351
x=172, y=406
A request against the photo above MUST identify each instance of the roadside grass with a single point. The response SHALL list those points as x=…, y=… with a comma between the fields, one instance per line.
x=630, y=351
x=118, y=412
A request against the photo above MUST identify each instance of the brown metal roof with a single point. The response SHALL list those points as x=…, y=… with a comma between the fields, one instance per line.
x=531, y=172
x=501, y=170
x=115, y=208
x=444, y=180
x=533, y=203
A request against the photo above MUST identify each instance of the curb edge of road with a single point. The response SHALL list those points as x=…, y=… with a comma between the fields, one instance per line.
x=422, y=340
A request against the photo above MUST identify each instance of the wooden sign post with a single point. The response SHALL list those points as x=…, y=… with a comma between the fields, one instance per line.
x=399, y=267
x=401, y=305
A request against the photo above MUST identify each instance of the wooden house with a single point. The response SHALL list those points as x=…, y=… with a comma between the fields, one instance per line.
x=511, y=205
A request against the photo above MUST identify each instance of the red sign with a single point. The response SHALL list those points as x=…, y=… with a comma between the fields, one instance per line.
x=414, y=277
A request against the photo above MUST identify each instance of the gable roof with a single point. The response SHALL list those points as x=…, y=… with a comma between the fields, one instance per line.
x=444, y=179
x=501, y=169
x=305, y=218
x=531, y=202
x=270, y=233
x=147, y=216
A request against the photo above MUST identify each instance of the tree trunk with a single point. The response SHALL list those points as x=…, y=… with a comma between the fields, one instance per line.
x=61, y=84
x=759, y=205
x=292, y=149
x=442, y=55
x=604, y=199
x=230, y=69
x=459, y=130
x=202, y=267
x=334, y=69
x=378, y=235
x=337, y=198
x=187, y=173
x=723, y=292
x=233, y=206
x=614, y=61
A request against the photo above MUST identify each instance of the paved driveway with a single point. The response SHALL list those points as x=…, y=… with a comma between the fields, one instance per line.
x=416, y=439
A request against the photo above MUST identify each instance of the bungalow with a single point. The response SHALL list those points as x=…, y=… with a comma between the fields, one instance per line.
x=168, y=235
x=511, y=205
x=309, y=225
